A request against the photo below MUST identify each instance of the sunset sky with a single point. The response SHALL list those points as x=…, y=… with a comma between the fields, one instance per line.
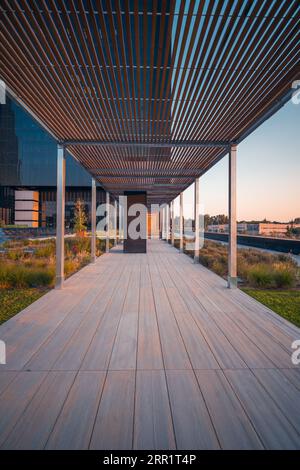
x=268, y=173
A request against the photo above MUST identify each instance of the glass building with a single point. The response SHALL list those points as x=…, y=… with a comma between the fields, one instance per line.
x=28, y=163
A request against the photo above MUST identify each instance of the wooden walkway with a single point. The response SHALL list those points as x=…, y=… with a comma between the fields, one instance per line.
x=148, y=351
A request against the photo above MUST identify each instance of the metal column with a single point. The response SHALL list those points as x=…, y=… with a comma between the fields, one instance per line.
x=107, y=225
x=60, y=216
x=172, y=223
x=232, y=241
x=93, y=221
x=116, y=223
x=167, y=223
x=197, y=223
x=181, y=222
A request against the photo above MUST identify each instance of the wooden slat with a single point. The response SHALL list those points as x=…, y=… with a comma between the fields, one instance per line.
x=149, y=354
x=192, y=424
x=283, y=392
x=231, y=423
x=16, y=398
x=125, y=346
x=113, y=362
x=34, y=426
x=99, y=352
x=149, y=73
x=114, y=423
x=73, y=429
x=153, y=426
x=273, y=428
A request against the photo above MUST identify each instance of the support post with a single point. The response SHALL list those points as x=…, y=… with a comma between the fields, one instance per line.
x=164, y=225
x=167, y=223
x=197, y=224
x=181, y=223
x=232, y=239
x=172, y=223
x=160, y=223
x=60, y=216
x=116, y=223
x=93, y=221
x=107, y=226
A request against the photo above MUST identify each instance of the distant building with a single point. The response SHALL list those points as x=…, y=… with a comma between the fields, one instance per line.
x=223, y=228
x=263, y=228
x=269, y=229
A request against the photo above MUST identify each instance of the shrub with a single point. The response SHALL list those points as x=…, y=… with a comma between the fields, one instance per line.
x=71, y=265
x=284, y=275
x=219, y=268
x=14, y=255
x=45, y=251
x=39, y=277
x=20, y=276
x=260, y=276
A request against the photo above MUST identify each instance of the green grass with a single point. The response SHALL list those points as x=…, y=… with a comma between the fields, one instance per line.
x=13, y=301
x=284, y=302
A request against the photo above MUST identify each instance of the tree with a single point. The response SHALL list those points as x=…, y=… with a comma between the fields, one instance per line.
x=80, y=218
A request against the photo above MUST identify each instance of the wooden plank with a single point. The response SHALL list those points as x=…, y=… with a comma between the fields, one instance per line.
x=15, y=399
x=153, y=427
x=273, y=428
x=99, y=352
x=245, y=346
x=274, y=351
x=174, y=352
x=74, y=426
x=231, y=423
x=149, y=354
x=293, y=375
x=114, y=423
x=283, y=392
x=192, y=424
x=125, y=346
x=34, y=426
x=49, y=352
x=30, y=337
x=199, y=352
x=226, y=355
x=6, y=377
x=76, y=349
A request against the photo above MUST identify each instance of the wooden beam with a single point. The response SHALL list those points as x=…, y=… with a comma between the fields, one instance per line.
x=116, y=143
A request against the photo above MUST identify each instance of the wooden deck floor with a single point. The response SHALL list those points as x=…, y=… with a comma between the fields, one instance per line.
x=148, y=352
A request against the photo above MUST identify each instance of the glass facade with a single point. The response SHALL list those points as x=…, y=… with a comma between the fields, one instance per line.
x=28, y=161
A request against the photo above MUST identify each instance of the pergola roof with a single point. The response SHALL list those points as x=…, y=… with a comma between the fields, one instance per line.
x=165, y=86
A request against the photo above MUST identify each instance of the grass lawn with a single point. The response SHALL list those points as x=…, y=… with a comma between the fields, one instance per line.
x=13, y=301
x=284, y=302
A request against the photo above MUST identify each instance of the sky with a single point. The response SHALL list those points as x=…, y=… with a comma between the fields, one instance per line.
x=268, y=173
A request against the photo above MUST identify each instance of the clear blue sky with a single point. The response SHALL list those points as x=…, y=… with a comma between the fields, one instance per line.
x=268, y=173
